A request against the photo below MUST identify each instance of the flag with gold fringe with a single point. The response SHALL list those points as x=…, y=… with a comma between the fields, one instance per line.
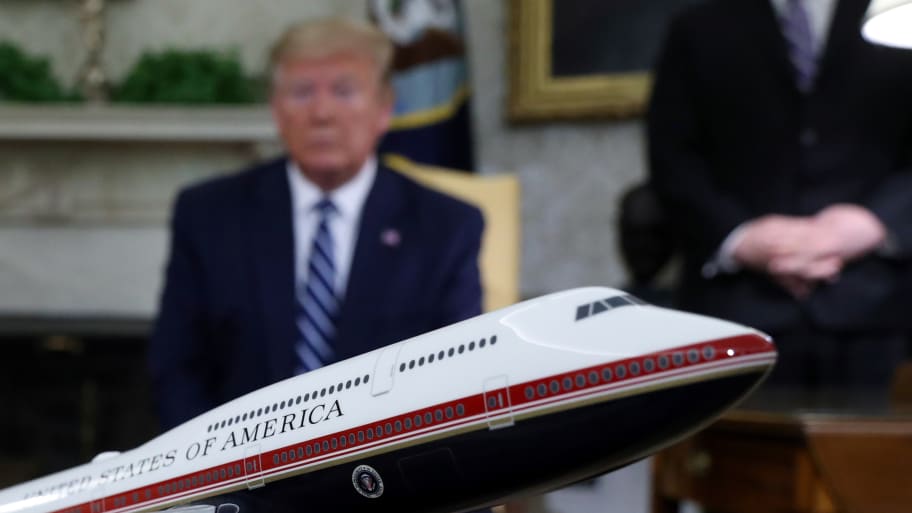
x=431, y=123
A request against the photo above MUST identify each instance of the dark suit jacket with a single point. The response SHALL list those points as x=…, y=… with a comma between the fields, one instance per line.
x=226, y=321
x=731, y=139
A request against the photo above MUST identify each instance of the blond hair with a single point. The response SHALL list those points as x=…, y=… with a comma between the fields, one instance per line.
x=315, y=39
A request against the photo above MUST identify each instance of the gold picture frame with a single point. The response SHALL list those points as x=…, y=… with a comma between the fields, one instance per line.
x=537, y=95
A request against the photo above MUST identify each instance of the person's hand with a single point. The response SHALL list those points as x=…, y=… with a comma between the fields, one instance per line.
x=770, y=237
x=839, y=234
x=778, y=245
x=800, y=274
x=809, y=265
x=851, y=231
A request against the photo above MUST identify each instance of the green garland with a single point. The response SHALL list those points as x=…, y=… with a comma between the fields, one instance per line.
x=28, y=79
x=186, y=77
x=171, y=76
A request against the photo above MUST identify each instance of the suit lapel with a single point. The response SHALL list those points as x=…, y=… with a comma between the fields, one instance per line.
x=379, y=241
x=273, y=256
x=771, y=44
x=845, y=28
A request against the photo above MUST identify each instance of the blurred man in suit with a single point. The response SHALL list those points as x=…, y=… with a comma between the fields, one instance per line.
x=315, y=257
x=780, y=142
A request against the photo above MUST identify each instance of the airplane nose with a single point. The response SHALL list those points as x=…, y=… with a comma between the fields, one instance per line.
x=620, y=326
x=752, y=342
x=753, y=348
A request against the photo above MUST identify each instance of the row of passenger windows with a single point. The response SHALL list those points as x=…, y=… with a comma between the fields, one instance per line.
x=619, y=371
x=201, y=479
x=291, y=402
x=178, y=485
x=460, y=349
x=366, y=435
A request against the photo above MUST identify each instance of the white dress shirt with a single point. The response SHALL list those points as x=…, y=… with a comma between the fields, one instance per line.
x=343, y=224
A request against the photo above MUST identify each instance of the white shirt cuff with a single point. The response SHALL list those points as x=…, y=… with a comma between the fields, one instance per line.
x=723, y=261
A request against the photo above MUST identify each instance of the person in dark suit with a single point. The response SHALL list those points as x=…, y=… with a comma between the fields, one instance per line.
x=781, y=144
x=315, y=257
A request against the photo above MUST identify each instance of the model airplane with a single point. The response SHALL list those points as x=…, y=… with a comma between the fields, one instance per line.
x=525, y=399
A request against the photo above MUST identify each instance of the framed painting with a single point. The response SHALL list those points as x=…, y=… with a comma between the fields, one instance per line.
x=578, y=59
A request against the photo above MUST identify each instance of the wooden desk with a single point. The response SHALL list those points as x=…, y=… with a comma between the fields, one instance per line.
x=851, y=455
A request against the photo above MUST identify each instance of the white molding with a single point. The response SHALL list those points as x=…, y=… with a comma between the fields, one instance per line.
x=131, y=123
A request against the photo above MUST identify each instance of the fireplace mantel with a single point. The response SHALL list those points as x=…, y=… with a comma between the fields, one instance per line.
x=110, y=123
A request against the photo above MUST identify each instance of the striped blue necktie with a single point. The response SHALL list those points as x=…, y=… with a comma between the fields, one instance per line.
x=316, y=302
x=796, y=28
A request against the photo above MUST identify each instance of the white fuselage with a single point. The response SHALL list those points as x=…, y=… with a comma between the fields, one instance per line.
x=532, y=359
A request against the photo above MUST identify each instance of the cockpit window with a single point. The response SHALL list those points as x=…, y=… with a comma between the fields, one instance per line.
x=590, y=309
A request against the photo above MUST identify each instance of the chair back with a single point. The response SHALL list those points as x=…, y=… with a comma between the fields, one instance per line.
x=498, y=198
